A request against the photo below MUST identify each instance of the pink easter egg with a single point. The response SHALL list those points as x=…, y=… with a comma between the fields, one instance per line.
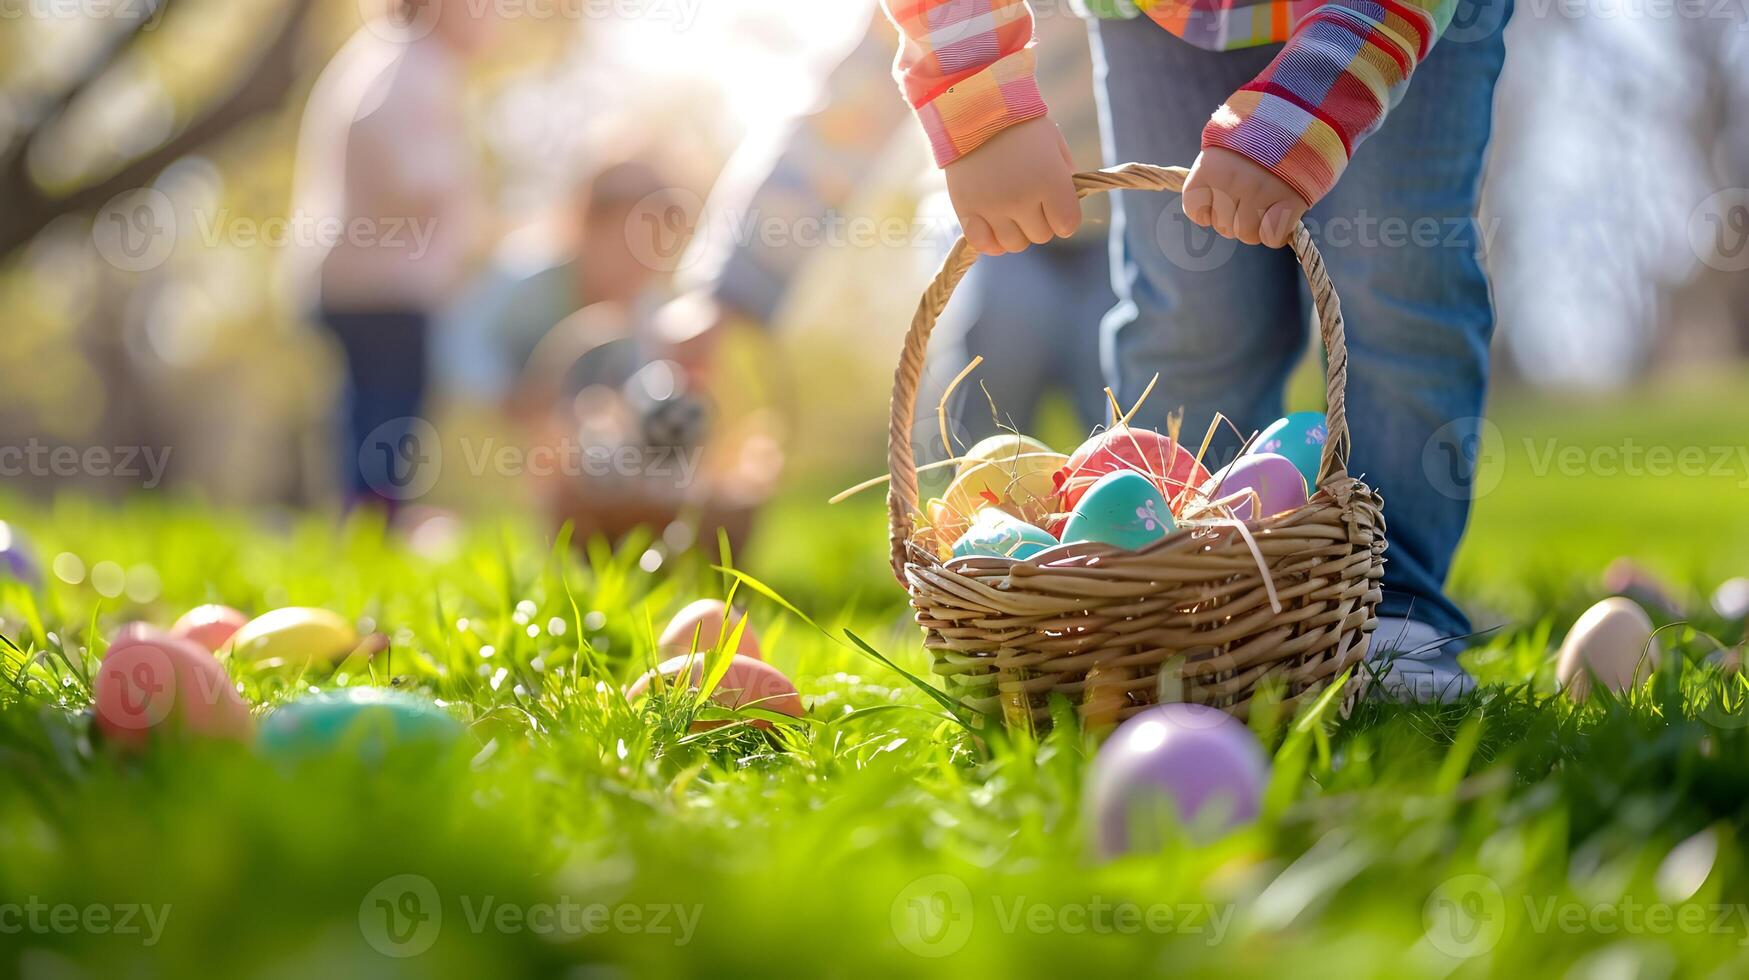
x=747, y=683
x=698, y=627
x=211, y=626
x=152, y=686
x=1172, y=469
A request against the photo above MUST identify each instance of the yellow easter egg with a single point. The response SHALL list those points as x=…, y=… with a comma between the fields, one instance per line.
x=1003, y=448
x=1021, y=485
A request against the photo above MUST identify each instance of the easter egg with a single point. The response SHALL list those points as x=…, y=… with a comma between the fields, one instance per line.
x=1124, y=509
x=1300, y=437
x=1732, y=599
x=1003, y=448
x=152, y=685
x=747, y=683
x=999, y=534
x=700, y=627
x=17, y=559
x=1272, y=483
x=1172, y=468
x=1612, y=643
x=1024, y=486
x=136, y=632
x=1184, y=763
x=211, y=626
x=366, y=721
x=294, y=637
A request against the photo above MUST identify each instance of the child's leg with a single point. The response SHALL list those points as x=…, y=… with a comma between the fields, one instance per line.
x=1220, y=322
x=1029, y=315
x=381, y=460
x=1402, y=246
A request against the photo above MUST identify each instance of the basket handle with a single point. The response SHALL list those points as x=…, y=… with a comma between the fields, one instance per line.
x=902, y=460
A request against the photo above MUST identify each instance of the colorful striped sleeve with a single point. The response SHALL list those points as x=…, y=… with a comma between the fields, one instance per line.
x=1330, y=87
x=966, y=67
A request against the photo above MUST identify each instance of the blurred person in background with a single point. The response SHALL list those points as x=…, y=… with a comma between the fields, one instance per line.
x=1031, y=315
x=386, y=172
x=486, y=338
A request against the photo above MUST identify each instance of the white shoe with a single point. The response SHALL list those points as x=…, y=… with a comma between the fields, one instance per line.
x=1411, y=663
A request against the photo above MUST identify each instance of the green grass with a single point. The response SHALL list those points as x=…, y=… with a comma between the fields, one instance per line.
x=1603, y=841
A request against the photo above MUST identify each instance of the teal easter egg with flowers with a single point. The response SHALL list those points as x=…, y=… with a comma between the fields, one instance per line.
x=995, y=533
x=367, y=722
x=1125, y=509
x=1300, y=437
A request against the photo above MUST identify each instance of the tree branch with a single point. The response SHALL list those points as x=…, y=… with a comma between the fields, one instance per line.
x=31, y=210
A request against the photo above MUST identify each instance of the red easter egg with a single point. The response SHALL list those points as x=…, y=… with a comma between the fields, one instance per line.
x=210, y=626
x=747, y=683
x=1171, y=467
x=160, y=685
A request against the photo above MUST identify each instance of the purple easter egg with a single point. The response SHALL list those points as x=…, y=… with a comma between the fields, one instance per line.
x=16, y=560
x=1185, y=762
x=1275, y=479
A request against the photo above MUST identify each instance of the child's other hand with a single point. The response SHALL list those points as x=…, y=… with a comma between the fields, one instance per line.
x=1239, y=199
x=1016, y=190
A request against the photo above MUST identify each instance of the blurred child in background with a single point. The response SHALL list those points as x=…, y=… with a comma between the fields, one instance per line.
x=386, y=172
x=487, y=337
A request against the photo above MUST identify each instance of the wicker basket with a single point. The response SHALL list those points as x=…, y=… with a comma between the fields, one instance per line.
x=1192, y=615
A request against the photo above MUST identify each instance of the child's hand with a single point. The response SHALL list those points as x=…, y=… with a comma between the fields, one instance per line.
x=1016, y=190
x=1239, y=199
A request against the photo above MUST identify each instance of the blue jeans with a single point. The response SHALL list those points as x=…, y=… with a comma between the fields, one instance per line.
x=1224, y=324
x=379, y=439
x=1032, y=316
